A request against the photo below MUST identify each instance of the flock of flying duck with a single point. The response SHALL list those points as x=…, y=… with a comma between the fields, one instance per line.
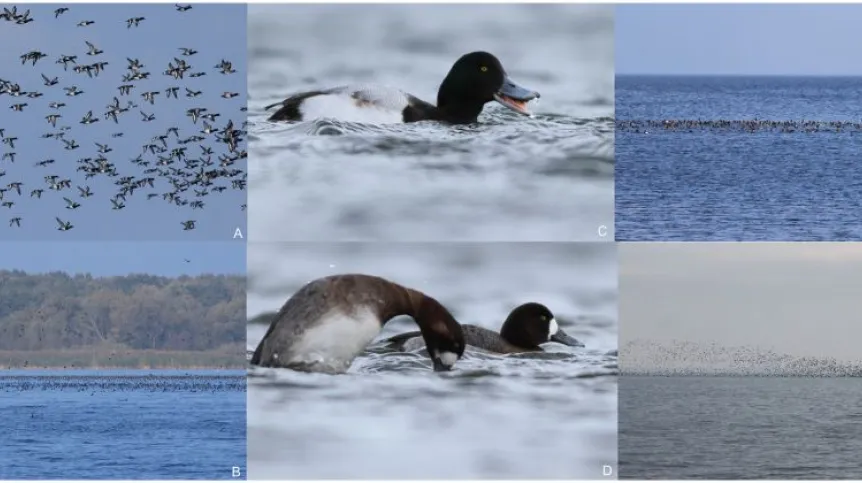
x=198, y=157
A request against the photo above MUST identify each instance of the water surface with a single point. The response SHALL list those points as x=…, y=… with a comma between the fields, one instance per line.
x=122, y=425
x=737, y=428
x=788, y=173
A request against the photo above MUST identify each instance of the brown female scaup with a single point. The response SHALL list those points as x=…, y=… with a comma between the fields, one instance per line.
x=331, y=320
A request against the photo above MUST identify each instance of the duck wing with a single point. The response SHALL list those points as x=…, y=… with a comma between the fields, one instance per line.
x=367, y=95
x=399, y=342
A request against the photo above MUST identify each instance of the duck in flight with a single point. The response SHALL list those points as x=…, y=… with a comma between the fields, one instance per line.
x=70, y=204
x=49, y=81
x=64, y=225
x=181, y=173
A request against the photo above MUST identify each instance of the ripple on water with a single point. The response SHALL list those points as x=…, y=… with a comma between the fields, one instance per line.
x=552, y=410
x=428, y=181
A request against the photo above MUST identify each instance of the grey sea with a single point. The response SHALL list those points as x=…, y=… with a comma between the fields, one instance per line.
x=549, y=177
x=122, y=425
x=741, y=427
x=540, y=415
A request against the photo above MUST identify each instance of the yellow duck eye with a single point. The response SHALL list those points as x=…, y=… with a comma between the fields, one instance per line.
x=483, y=68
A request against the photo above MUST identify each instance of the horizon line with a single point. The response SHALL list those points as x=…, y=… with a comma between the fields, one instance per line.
x=129, y=274
x=653, y=74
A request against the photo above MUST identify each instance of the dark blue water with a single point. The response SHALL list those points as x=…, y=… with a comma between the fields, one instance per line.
x=740, y=428
x=122, y=425
x=796, y=177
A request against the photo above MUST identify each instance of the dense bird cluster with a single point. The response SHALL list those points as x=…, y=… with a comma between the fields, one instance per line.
x=685, y=358
x=740, y=125
x=196, y=157
x=124, y=383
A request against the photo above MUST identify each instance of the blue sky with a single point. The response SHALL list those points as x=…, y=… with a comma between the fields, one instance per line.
x=733, y=39
x=216, y=31
x=123, y=258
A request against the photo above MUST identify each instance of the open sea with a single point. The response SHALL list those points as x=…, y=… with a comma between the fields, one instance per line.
x=122, y=425
x=507, y=177
x=704, y=410
x=738, y=158
x=550, y=415
x=743, y=427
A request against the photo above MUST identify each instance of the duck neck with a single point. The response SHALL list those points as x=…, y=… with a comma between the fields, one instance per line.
x=403, y=301
x=433, y=319
x=459, y=113
x=516, y=335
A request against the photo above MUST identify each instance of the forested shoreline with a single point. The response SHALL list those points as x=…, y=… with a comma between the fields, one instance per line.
x=61, y=320
x=264, y=318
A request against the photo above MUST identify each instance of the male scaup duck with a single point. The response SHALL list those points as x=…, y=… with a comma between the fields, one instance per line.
x=525, y=329
x=475, y=79
x=331, y=320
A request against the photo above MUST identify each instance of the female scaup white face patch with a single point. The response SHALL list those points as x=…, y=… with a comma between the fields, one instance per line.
x=553, y=328
x=447, y=358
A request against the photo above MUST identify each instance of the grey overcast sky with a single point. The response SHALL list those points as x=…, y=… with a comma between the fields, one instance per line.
x=738, y=39
x=800, y=299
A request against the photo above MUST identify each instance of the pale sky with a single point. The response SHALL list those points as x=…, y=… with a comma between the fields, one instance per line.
x=738, y=39
x=800, y=299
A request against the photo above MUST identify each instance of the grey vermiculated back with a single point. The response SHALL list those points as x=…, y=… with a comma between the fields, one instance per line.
x=490, y=340
x=476, y=336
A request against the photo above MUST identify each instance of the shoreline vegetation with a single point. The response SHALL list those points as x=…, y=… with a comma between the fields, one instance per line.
x=265, y=318
x=60, y=321
x=232, y=357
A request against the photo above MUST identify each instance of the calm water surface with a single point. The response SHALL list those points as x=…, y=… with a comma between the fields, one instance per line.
x=740, y=428
x=729, y=182
x=122, y=424
x=508, y=177
x=548, y=415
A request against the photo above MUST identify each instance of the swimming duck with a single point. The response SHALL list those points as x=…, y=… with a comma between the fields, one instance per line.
x=525, y=329
x=474, y=80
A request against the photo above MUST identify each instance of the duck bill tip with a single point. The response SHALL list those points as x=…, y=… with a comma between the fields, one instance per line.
x=563, y=338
